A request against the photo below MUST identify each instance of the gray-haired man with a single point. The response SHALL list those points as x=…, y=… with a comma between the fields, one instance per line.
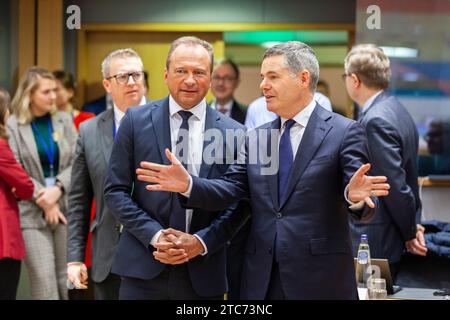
x=123, y=79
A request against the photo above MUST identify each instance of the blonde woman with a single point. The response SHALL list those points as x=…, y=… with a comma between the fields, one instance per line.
x=43, y=141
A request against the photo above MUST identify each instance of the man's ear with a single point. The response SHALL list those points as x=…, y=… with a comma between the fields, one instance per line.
x=107, y=85
x=305, y=78
x=166, y=72
x=356, y=80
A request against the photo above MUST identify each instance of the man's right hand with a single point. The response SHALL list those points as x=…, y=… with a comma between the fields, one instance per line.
x=172, y=178
x=77, y=274
x=167, y=252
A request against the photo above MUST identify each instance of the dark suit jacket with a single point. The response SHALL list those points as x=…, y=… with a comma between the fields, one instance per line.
x=238, y=112
x=393, y=142
x=308, y=228
x=89, y=169
x=144, y=134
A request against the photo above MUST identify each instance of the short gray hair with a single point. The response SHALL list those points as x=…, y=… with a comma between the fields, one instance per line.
x=298, y=56
x=370, y=64
x=191, y=41
x=120, y=53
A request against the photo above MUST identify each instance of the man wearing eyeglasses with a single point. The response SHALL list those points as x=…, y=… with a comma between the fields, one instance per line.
x=123, y=79
x=224, y=82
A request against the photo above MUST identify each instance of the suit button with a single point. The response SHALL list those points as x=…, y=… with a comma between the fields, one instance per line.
x=270, y=250
x=279, y=215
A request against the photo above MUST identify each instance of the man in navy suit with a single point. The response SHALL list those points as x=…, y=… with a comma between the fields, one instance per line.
x=393, y=143
x=166, y=251
x=299, y=243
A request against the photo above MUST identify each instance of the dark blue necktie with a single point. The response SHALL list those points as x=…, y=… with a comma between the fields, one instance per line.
x=178, y=214
x=286, y=158
x=182, y=146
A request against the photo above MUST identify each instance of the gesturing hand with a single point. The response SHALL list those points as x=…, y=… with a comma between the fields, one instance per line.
x=173, y=178
x=362, y=187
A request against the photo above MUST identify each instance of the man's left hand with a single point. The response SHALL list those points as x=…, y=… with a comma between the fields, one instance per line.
x=361, y=187
x=184, y=241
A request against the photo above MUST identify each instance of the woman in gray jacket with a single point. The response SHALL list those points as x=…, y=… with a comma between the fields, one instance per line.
x=43, y=141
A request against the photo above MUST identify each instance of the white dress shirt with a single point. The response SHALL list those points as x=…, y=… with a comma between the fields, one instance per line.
x=369, y=101
x=119, y=114
x=227, y=107
x=196, y=132
x=298, y=128
x=258, y=114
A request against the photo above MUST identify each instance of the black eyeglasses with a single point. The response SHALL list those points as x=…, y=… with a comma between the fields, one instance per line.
x=122, y=78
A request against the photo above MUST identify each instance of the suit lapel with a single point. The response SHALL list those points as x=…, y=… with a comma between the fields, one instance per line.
x=315, y=131
x=161, y=124
x=27, y=135
x=211, y=122
x=273, y=179
x=58, y=131
x=106, y=133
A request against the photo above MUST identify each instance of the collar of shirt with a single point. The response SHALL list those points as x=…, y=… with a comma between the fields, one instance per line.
x=227, y=107
x=199, y=111
x=303, y=116
x=370, y=101
x=119, y=114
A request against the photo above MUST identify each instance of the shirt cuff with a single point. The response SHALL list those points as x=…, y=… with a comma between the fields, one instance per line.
x=203, y=244
x=187, y=194
x=353, y=206
x=155, y=238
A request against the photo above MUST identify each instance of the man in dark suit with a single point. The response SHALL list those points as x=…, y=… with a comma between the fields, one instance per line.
x=225, y=80
x=166, y=251
x=299, y=244
x=124, y=81
x=393, y=142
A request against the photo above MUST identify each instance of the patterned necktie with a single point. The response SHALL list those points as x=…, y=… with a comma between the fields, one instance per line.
x=182, y=145
x=286, y=158
x=178, y=214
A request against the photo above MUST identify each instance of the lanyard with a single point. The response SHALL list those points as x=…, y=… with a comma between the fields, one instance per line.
x=49, y=151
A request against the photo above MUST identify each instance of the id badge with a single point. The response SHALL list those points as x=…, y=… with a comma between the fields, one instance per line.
x=50, y=182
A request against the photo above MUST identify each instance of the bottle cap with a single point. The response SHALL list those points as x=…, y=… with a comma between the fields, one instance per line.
x=364, y=237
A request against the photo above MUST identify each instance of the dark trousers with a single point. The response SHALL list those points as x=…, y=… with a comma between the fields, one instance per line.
x=108, y=289
x=394, y=268
x=235, y=261
x=9, y=278
x=173, y=283
x=275, y=290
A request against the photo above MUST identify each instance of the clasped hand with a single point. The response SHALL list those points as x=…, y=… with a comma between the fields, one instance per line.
x=176, y=247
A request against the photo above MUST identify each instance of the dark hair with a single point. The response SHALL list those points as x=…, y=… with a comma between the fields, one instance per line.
x=4, y=106
x=232, y=64
x=66, y=79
